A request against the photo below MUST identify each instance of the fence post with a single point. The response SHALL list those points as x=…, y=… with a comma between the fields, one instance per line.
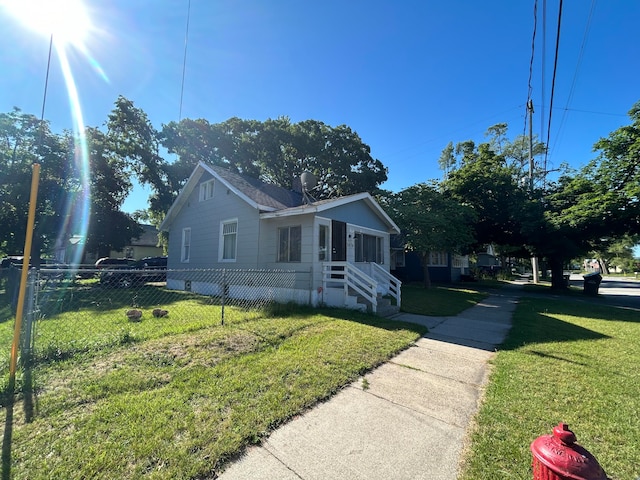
x=224, y=291
x=30, y=309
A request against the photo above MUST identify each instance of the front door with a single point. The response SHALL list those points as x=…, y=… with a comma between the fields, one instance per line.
x=338, y=241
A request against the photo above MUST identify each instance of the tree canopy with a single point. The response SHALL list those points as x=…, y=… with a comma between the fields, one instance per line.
x=431, y=221
x=489, y=186
x=484, y=198
x=25, y=140
x=131, y=148
x=278, y=151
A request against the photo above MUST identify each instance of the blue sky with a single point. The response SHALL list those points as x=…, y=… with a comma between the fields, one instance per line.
x=408, y=76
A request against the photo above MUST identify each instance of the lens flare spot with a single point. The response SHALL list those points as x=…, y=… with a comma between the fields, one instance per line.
x=67, y=20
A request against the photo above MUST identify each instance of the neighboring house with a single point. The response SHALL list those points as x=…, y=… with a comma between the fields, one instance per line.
x=339, y=248
x=444, y=267
x=487, y=261
x=72, y=249
x=146, y=245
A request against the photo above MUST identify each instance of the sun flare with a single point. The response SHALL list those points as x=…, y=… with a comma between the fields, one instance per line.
x=67, y=20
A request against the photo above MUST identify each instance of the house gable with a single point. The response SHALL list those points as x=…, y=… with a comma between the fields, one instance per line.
x=258, y=195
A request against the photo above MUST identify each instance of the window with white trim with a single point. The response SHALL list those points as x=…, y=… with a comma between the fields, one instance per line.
x=290, y=244
x=323, y=243
x=228, y=240
x=207, y=189
x=186, y=245
x=438, y=259
x=369, y=248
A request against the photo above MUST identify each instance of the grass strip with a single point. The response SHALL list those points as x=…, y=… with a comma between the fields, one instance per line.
x=441, y=300
x=563, y=361
x=179, y=405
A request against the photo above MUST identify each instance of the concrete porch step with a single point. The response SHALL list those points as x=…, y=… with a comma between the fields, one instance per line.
x=384, y=308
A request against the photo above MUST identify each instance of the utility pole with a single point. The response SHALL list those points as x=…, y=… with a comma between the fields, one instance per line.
x=534, y=259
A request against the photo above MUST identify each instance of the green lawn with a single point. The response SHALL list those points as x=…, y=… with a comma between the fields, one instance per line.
x=443, y=300
x=563, y=361
x=175, y=397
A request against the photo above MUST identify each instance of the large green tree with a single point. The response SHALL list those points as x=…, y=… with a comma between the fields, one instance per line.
x=109, y=228
x=63, y=198
x=277, y=151
x=486, y=184
x=136, y=142
x=25, y=140
x=431, y=221
x=600, y=204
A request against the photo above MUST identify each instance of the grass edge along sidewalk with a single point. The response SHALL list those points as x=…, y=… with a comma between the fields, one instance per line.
x=178, y=405
x=562, y=361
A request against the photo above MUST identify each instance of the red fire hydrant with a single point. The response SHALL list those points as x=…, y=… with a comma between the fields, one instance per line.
x=558, y=457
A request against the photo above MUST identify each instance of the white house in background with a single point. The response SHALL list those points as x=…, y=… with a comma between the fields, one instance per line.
x=339, y=248
x=146, y=245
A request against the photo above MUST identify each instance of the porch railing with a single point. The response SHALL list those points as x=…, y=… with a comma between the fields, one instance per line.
x=350, y=277
x=395, y=285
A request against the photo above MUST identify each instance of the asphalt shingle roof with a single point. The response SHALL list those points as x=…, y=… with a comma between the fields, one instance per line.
x=265, y=194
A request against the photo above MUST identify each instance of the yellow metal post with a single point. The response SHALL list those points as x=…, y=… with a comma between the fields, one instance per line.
x=25, y=271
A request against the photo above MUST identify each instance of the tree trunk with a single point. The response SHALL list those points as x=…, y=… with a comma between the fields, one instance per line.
x=425, y=270
x=544, y=268
x=604, y=267
x=557, y=271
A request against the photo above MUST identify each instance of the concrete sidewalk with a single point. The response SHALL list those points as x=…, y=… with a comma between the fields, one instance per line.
x=411, y=420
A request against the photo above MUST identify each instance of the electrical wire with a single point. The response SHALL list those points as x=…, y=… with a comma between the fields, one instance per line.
x=533, y=45
x=553, y=84
x=576, y=72
x=46, y=79
x=184, y=60
x=542, y=66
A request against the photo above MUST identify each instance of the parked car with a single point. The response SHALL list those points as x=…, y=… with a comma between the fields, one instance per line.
x=149, y=269
x=108, y=262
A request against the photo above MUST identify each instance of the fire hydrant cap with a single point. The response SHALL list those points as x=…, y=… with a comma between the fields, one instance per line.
x=560, y=454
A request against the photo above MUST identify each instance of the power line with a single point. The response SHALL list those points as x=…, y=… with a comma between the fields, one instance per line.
x=543, y=64
x=533, y=45
x=46, y=79
x=447, y=136
x=596, y=113
x=576, y=71
x=184, y=60
x=553, y=84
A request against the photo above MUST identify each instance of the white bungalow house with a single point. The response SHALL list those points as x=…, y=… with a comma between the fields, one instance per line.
x=339, y=248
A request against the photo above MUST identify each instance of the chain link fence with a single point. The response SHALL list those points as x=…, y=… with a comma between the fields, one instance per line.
x=68, y=312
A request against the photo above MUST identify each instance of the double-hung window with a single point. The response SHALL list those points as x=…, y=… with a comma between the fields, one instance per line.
x=438, y=259
x=323, y=243
x=228, y=240
x=185, y=251
x=290, y=244
x=206, y=190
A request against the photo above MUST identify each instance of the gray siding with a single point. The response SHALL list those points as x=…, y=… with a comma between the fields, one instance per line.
x=204, y=217
x=357, y=213
x=269, y=246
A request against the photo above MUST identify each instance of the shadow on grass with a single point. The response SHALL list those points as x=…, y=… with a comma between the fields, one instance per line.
x=8, y=402
x=535, y=322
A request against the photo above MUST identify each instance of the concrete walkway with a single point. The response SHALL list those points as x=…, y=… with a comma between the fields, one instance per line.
x=411, y=420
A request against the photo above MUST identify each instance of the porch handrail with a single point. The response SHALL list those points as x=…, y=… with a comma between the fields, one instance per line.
x=395, y=285
x=351, y=277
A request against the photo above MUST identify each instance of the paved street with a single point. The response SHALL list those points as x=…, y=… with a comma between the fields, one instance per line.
x=621, y=291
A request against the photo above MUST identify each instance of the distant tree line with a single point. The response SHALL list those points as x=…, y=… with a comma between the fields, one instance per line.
x=488, y=195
